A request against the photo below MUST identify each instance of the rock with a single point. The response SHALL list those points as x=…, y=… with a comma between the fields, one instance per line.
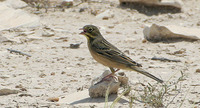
x=19, y=86
x=21, y=95
x=105, y=15
x=130, y=40
x=198, y=71
x=8, y=92
x=61, y=39
x=53, y=99
x=75, y=45
x=150, y=2
x=82, y=9
x=4, y=39
x=113, y=83
x=123, y=79
x=53, y=73
x=47, y=34
x=111, y=27
x=17, y=4
x=64, y=89
x=172, y=33
x=165, y=59
x=37, y=12
x=144, y=41
x=67, y=3
x=4, y=76
x=99, y=90
x=42, y=75
x=181, y=51
x=31, y=39
x=16, y=18
x=198, y=23
x=23, y=89
x=151, y=7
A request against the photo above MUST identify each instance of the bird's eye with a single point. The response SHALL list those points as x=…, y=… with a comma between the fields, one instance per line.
x=90, y=29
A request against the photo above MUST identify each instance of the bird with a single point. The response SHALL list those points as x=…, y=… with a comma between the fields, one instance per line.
x=109, y=55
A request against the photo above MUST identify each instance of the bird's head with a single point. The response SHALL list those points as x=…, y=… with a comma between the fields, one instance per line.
x=90, y=31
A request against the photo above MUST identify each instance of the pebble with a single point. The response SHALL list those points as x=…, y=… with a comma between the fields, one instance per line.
x=42, y=75
x=198, y=71
x=105, y=15
x=75, y=45
x=198, y=23
x=48, y=34
x=53, y=73
x=53, y=99
x=21, y=95
x=4, y=76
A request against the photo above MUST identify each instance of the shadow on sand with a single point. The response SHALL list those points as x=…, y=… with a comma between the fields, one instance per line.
x=88, y=100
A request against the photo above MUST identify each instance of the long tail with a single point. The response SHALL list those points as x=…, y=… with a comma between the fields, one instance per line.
x=140, y=70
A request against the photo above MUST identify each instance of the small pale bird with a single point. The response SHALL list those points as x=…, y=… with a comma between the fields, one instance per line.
x=108, y=55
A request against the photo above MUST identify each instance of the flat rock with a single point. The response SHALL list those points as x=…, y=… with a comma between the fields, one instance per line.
x=16, y=4
x=171, y=33
x=152, y=7
x=174, y=3
x=5, y=39
x=105, y=15
x=16, y=18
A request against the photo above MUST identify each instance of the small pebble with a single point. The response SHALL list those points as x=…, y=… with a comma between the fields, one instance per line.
x=21, y=95
x=198, y=71
x=42, y=75
x=53, y=99
x=75, y=45
x=53, y=73
x=144, y=41
x=63, y=72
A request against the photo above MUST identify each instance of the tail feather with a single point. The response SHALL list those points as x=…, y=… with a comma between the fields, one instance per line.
x=140, y=70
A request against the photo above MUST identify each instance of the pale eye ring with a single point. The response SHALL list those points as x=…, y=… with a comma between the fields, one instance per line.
x=90, y=29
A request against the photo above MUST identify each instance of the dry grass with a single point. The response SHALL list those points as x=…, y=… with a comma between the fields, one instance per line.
x=156, y=95
x=160, y=95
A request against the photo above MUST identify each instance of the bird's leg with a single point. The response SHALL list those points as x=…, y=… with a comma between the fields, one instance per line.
x=116, y=70
x=111, y=75
x=106, y=78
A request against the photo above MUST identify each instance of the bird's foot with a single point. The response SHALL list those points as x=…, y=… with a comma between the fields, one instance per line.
x=107, y=78
x=116, y=70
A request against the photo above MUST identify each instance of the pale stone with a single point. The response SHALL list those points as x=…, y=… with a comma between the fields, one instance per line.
x=171, y=33
x=17, y=4
x=111, y=84
x=12, y=18
x=105, y=15
x=173, y=3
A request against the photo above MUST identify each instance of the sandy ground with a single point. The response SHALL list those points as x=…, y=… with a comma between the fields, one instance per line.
x=55, y=70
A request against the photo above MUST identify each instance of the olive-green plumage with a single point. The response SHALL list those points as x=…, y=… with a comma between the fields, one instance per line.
x=107, y=54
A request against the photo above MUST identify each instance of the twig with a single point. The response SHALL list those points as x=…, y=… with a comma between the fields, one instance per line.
x=18, y=52
x=164, y=59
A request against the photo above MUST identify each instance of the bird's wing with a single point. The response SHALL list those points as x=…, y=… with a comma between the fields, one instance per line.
x=109, y=51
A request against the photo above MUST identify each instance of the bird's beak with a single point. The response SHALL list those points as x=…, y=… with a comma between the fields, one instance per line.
x=83, y=32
